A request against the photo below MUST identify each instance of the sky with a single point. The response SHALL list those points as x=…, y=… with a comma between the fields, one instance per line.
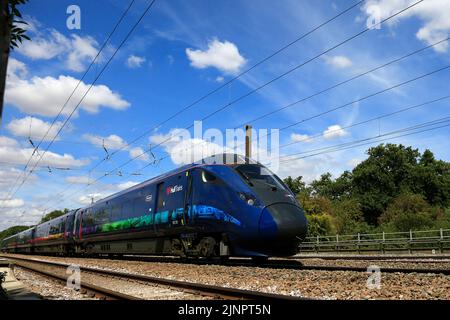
x=128, y=115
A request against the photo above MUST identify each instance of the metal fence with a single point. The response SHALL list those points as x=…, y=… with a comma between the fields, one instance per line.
x=430, y=240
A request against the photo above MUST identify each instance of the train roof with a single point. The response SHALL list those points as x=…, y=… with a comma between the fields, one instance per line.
x=41, y=224
x=217, y=159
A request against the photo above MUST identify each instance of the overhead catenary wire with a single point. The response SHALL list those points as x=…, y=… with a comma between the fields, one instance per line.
x=328, y=50
x=283, y=75
x=441, y=122
x=346, y=104
x=317, y=115
x=420, y=128
x=301, y=121
x=309, y=138
x=233, y=79
x=325, y=112
x=238, y=76
x=73, y=91
x=87, y=91
x=59, y=168
x=340, y=84
x=344, y=82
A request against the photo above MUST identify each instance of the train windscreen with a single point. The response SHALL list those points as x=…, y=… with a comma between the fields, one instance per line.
x=257, y=174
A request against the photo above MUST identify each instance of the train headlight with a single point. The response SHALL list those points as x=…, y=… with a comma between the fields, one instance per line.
x=248, y=198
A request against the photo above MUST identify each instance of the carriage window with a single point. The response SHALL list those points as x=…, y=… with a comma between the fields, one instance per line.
x=127, y=209
x=207, y=177
x=115, y=211
x=161, y=197
x=101, y=214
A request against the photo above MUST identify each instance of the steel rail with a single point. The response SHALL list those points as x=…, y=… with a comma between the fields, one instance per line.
x=189, y=287
x=89, y=287
x=405, y=258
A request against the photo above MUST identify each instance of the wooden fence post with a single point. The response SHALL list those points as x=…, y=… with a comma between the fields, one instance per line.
x=359, y=240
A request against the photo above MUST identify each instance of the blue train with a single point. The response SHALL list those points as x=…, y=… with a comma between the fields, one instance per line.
x=225, y=205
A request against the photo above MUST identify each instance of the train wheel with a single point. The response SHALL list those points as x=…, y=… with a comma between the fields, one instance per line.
x=207, y=247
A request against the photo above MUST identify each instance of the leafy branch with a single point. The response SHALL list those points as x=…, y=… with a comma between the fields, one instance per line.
x=16, y=19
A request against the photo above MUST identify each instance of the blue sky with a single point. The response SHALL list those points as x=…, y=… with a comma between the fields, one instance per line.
x=182, y=50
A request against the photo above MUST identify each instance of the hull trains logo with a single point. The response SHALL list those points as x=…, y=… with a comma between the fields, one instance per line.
x=170, y=190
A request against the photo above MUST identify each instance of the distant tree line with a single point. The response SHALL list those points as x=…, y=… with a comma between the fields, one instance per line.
x=395, y=189
x=16, y=229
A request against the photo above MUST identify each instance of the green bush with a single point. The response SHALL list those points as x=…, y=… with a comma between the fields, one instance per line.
x=348, y=217
x=320, y=225
x=408, y=212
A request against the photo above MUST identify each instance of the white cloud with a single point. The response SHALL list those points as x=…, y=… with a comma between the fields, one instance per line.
x=300, y=137
x=126, y=185
x=16, y=70
x=183, y=149
x=103, y=191
x=433, y=14
x=12, y=203
x=45, y=48
x=135, y=61
x=338, y=61
x=8, y=177
x=309, y=168
x=334, y=131
x=171, y=59
x=224, y=56
x=139, y=152
x=79, y=179
x=46, y=96
x=115, y=142
x=7, y=142
x=111, y=142
x=354, y=162
x=75, y=51
x=82, y=51
x=21, y=155
x=34, y=128
x=220, y=79
x=88, y=199
x=24, y=215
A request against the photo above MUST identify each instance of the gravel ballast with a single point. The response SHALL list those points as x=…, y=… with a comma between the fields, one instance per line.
x=307, y=283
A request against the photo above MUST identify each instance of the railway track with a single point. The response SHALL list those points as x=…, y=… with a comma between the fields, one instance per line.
x=85, y=287
x=216, y=292
x=292, y=264
x=409, y=258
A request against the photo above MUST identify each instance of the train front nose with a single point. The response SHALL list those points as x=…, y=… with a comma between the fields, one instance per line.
x=282, y=226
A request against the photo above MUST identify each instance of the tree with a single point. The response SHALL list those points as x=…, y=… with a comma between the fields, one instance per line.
x=333, y=189
x=408, y=212
x=323, y=186
x=11, y=34
x=296, y=185
x=385, y=174
x=348, y=217
x=12, y=231
x=320, y=225
x=431, y=178
x=54, y=214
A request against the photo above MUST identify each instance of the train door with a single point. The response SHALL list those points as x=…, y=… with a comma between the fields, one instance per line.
x=148, y=206
x=77, y=229
x=170, y=203
x=33, y=236
x=188, y=199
